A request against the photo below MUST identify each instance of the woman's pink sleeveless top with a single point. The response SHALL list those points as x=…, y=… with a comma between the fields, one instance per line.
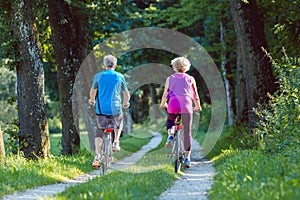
x=180, y=93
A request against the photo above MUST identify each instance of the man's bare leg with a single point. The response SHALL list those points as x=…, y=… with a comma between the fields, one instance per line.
x=116, y=145
x=98, y=146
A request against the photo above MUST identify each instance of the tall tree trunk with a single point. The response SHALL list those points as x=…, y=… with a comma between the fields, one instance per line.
x=2, y=148
x=256, y=67
x=242, y=104
x=230, y=112
x=33, y=127
x=154, y=102
x=71, y=42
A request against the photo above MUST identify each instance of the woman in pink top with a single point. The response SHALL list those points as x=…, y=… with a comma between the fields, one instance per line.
x=181, y=93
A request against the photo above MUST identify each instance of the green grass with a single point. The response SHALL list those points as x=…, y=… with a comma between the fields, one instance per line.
x=251, y=173
x=20, y=174
x=121, y=185
x=147, y=179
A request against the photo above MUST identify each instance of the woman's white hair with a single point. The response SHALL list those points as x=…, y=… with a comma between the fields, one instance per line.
x=109, y=61
x=180, y=64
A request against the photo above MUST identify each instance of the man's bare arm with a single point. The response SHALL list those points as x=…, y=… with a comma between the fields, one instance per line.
x=126, y=103
x=92, y=100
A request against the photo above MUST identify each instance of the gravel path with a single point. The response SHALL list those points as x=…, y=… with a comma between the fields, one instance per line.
x=195, y=181
x=193, y=184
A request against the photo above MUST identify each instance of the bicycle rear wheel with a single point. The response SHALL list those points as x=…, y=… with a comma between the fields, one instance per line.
x=177, y=162
x=104, y=150
x=104, y=154
x=108, y=154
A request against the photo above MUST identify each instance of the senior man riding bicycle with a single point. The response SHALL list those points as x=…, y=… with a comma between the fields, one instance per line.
x=106, y=96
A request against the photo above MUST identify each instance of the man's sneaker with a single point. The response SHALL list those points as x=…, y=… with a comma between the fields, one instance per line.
x=169, y=141
x=116, y=146
x=96, y=164
x=187, y=163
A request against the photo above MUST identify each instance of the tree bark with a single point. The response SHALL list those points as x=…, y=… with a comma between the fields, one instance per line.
x=71, y=42
x=154, y=102
x=230, y=113
x=33, y=127
x=256, y=67
x=242, y=103
x=2, y=148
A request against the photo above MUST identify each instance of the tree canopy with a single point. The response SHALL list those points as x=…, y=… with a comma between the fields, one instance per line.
x=70, y=29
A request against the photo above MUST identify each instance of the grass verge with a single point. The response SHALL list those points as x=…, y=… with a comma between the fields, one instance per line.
x=20, y=174
x=253, y=174
x=248, y=173
x=147, y=179
x=122, y=185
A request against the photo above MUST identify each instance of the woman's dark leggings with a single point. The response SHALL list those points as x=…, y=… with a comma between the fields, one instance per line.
x=187, y=119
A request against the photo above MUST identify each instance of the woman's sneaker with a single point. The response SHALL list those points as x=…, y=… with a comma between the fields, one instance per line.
x=187, y=163
x=169, y=141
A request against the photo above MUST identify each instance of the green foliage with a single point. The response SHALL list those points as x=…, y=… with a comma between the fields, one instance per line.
x=11, y=132
x=205, y=116
x=7, y=96
x=121, y=185
x=282, y=27
x=53, y=115
x=129, y=185
x=235, y=138
x=20, y=174
x=280, y=121
x=54, y=124
x=273, y=171
x=109, y=17
x=251, y=174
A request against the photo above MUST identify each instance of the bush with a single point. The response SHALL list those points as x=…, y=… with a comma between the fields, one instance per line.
x=279, y=122
x=233, y=137
x=270, y=172
x=11, y=134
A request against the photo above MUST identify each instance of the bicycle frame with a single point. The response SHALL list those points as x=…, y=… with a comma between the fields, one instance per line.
x=178, y=147
x=106, y=149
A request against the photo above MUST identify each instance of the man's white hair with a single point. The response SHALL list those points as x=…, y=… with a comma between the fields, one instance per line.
x=109, y=61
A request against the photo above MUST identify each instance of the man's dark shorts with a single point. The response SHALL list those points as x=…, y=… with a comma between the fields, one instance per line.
x=104, y=121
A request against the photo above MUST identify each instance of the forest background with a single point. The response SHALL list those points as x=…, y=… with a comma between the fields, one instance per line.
x=253, y=43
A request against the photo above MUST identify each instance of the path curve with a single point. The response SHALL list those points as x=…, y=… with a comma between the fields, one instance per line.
x=195, y=182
